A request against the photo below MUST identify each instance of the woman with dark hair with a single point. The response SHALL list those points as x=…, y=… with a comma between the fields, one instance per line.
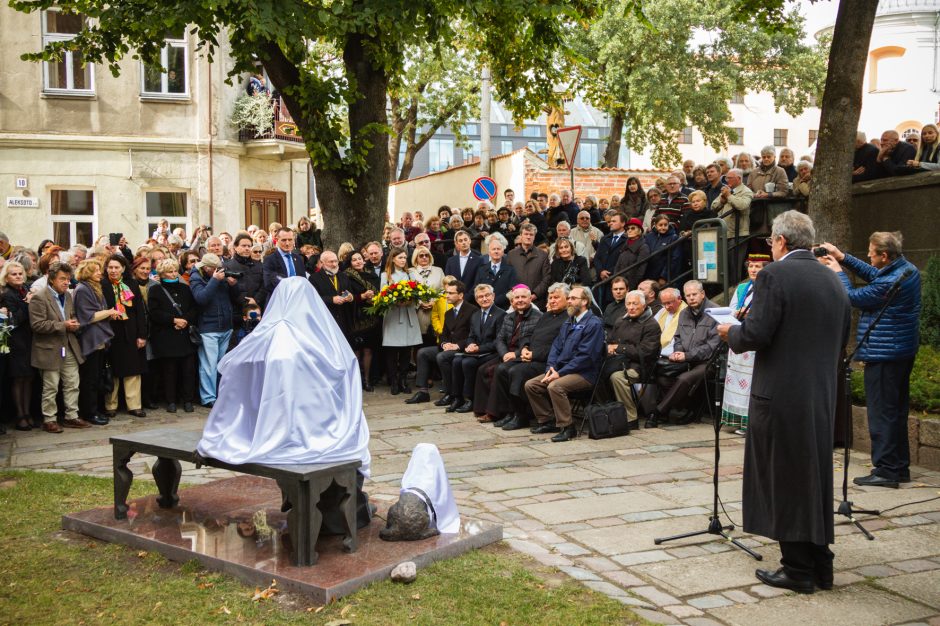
x=140, y=275
x=634, y=202
x=400, y=329
x=699, y=180
x=127, y=354
x=634, y=251
x=94, y=336
x=568, y=267
x=44, y=245
x=188, y=261
x=366, y=334
x=172, y=311
x=14, y=303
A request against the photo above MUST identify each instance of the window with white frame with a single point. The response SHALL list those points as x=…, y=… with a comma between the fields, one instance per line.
x=73, y=217
x=472, y=151
x=70, y=74
x=588, y=155
x=170, y=78
x=171, y=206
x=440, y=154
x=505, y=147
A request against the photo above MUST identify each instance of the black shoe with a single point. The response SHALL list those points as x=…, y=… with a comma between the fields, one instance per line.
x=823, y=581
x=652, y=421
x=151, y=406
x=395, y=389
x=137, y=413
x=547, y=427
x=466, y=407
x=782, y=579
x=406, y=388
x=503, y=421
x=873, y=480
x=368, y=387
x=208, y=405
x=516, y=423
x=445, y=401
x=188, y=407
x=567, y=434
x=23, y=424
x=456, y=404
x=904, y=478
x=171, y=407
x=419, y=397
x=634, y=425
x=97, y=420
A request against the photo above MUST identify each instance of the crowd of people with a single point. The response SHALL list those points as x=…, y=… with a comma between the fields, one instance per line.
x=892, y=156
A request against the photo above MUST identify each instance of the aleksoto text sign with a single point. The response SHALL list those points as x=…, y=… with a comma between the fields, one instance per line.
x=14, y=202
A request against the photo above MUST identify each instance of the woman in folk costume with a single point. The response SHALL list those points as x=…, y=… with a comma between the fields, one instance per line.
x=741, y=366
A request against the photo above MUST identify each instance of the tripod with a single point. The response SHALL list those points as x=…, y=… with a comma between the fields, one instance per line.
x=714, y=363
x=845, y=507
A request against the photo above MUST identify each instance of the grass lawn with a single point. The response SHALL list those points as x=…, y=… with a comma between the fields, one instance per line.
x=48, y=576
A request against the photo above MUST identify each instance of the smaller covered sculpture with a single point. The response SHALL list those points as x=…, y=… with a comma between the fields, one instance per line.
x=426, y=505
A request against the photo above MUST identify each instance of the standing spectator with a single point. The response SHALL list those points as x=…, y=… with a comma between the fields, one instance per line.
x=889, y=352
x=803, y=180
x=865, y=161
x=95, y=337
x=654, y=197
x=172, y=311
x=734, y=205
x=367, y=331
x=127, y=353
x=308, y=234
x=400, y=331
x=568, y=267
x=893, y=155
x=573, y=365
x=745, y=163
x=14, y=303
x=251, y=284
x=6, y=250
x=740, y=369
x=187, y=262
x=665, y=266
x=332, y=286
x=608, y=251
x=140, y=274
x=284, y=262
x=786, y=163
x=674, y=203
x=56, y=351
x=617, y=306
x=465, y=262
x=530, y=263
x=928, y=152
x=214, y=294
x=497, y=272
x=427, y=274
x=633, y=254
x=768, y=175
x=713, y=183
x=587, y=235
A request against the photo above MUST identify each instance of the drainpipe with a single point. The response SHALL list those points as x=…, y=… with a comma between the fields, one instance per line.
x=936, y=53
x=211, y=204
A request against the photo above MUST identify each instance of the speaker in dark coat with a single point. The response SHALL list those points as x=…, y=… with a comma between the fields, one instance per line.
x=126, y=358
x=343, y=313
x=798, y=325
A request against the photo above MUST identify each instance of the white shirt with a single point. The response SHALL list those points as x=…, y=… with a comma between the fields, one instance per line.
x=463, y=261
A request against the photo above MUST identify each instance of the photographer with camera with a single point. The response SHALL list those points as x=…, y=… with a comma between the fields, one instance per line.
x=247, y=272
x=889, y=352
x=214, y=293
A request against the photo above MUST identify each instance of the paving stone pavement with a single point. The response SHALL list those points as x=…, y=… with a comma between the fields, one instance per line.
x=593, y=508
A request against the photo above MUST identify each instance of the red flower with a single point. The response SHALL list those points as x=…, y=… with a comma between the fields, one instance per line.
x=412, y=284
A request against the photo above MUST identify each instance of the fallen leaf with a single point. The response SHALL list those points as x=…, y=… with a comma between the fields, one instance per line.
x=338, y=622
x=416, y=596
x=224, y=609
x=343, y=611
x=141, y=554
x=157, y=605
x=266, y=594
x=205, y=585
x=315, y=609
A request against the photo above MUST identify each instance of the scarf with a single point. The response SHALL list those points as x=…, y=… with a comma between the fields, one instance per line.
x=123, y=297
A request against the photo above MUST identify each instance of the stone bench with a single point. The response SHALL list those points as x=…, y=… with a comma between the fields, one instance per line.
x=300, y=484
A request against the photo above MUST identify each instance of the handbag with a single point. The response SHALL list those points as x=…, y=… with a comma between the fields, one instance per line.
x=106, y=378
x=671, y=369
x=605, y=420
x=194, y=337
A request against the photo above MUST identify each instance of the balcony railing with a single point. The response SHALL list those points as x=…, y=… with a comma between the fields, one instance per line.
x=284, y=127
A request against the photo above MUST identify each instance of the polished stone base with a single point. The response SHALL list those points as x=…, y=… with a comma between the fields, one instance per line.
x=236, y=526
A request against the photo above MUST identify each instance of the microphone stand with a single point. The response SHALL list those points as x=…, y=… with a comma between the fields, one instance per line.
x=714, y=523
x=845, y=506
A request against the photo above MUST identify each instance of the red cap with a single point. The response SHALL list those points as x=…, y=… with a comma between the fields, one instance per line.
x=633, y=221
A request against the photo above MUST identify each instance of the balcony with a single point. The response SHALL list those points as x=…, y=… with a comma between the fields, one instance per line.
x=282, y=142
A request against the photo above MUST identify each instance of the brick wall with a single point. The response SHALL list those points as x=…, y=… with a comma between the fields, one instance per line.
x=602, y=182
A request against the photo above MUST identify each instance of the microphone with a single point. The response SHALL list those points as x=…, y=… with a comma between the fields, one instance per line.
x=897, y=284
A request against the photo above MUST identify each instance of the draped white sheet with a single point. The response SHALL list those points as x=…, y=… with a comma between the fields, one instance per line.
x=426, y=472
x=290, y=391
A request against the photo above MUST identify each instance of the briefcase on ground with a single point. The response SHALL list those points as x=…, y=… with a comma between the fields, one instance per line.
x=606, y=420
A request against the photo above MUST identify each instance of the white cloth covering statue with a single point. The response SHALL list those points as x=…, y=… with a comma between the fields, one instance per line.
x=290, y=391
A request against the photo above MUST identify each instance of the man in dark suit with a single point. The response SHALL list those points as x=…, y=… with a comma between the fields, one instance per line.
x=798, y=325
x=333, y=287
x=531, y=263
x=464, y=263
x=481, y=348
x=283, y=262
x=496, y=272
x=894, y=154
x=453, y=338
x=608, y=252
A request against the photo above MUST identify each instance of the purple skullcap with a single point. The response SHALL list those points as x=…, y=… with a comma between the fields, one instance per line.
x=520, y=286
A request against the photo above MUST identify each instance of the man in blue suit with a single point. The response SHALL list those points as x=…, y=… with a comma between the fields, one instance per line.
x=496, y=271
x=463, y=265
x=573, y=365
x=284, y=262
x=608, y=252
x=480, y=350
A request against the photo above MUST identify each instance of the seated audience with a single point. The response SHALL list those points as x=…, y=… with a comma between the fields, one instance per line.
x=633, y=347
x=481, y=348
x=667, y=317
x=616, y=308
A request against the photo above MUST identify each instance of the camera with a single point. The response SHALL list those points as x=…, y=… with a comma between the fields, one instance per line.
x=252, y=322
x=235, y=275
x=819, y=251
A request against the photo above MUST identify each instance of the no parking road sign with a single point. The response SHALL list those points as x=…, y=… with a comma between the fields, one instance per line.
x=484, y=188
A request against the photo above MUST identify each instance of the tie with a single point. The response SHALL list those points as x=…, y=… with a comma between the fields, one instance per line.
x=289, y=263
x=62, y=299
x=616, y=239
x=495, y=268
x=485, y=313
x=335, y=284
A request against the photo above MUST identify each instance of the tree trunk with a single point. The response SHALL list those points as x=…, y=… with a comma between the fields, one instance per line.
x=394, y=142
x=407, y=162
x=411, y=148
x=830, y=203
x=612, y=151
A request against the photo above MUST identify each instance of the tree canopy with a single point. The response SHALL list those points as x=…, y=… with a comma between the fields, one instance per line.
x=665, y=65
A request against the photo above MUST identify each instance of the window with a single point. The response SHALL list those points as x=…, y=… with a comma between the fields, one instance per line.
x=470, y=129
x=686, y=135
x=592, y=133
x=738, y=133
x=174, y=81
x=73, y=217
x=505, y=147
x=532, y=130
x=502, y=130
x=886, y=69
x=538, y=147
x=168, y=205
x=588, y=155
x=737, y=98
x=812, y=137
x=71, y=75
x=472, y=150
x=441, y=154
x=780, y=137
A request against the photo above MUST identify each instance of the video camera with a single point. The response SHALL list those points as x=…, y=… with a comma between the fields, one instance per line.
x=235, y=275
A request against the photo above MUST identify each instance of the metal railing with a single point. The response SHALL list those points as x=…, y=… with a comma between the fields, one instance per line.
x=283, y=128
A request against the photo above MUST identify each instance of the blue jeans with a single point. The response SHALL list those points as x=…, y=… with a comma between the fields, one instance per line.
x=210, y=353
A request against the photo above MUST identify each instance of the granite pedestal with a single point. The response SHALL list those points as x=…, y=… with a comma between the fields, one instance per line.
x=236, y=526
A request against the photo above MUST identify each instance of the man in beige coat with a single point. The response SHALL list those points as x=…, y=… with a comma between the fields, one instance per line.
x=56, y=351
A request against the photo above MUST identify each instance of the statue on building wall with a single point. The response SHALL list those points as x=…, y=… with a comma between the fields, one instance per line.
x=555, y=119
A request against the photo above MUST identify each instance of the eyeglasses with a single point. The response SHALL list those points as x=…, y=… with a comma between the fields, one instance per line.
x=770, y=241
x=424, y=256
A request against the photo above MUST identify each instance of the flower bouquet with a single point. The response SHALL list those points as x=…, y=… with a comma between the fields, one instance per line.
x=5, y=329
x=404, y=291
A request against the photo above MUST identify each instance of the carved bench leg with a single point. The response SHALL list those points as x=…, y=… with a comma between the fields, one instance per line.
x=298, y=522
x=166, y=473
x=348, y=480
x=123, y=478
